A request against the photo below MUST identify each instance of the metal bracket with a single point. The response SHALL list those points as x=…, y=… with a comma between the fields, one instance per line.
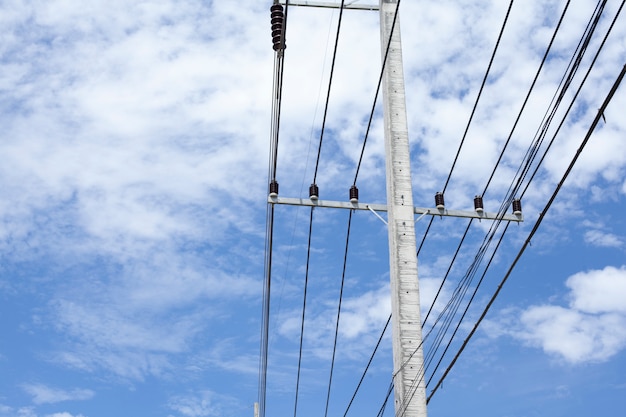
x=383, y=208
x=330, y=5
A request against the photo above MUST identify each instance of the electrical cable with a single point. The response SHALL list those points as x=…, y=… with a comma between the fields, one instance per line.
x=591, y=65
x=380, y=82
x=480, y=91
x=278, y=71
x=330, y=82
x=367, y=366
x=343, y=277
x=536, y=225
x=306, y=282
x=457, y=302
x=532, y=86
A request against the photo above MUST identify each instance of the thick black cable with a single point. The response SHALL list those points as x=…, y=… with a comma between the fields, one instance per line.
x=367, y=366
x=445, y=277
x=537, y=224
x=413, y=387
x=493, y=54
x=380, y=82
x=330, y=82
x=591, y=65
x=306, y=282
x=555, y=103
x=277, y=87
x=343, y=277
x=381, y=411
x=532, y=86
x=480, y=91
x=469, y=303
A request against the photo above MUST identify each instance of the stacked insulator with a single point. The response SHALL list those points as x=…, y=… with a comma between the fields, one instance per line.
x=278, y=19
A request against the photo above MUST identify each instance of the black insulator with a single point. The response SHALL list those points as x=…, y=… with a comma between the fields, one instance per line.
x=314, y=192
x=439, y=201
x=354, y=194
x=273, y=188
x=277, y=18
x=478, y=204
x=517, y=206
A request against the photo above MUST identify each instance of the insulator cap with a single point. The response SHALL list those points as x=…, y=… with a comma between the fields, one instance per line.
x=439, y=201
x=314, y=192
x=354, y=194
x=273, y=189
x=478, y=204
x=277, y=19
x=517, y=206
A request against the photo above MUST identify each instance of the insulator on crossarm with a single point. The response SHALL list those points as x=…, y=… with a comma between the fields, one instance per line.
x=274, y=189
x=517, y=207
x=478, y=204
x=439, y=201
x=314, y=192
x=354, y=194
x=278, y=20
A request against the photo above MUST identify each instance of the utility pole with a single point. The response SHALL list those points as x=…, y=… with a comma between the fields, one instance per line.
x=408, y=360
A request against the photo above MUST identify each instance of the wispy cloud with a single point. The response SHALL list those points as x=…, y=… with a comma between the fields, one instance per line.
x=43, y=394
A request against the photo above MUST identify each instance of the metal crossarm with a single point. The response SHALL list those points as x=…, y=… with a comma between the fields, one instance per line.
x=383, y=207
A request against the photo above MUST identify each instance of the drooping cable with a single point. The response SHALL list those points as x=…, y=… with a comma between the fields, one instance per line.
x=480, y=91
x=279, y=26
x=582, y=83
x=530, y=90
x=378, y=86
x=306, y=283
x=369, y=362
x=469, y=122
x=343, y=277
x=462, y=289
x=536, y=225
x=469, y=303
x=330, y=83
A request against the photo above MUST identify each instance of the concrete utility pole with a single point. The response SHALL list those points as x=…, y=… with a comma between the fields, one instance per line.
x=408, y=359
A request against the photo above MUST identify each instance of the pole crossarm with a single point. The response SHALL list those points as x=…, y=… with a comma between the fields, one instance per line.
x=383, y=207
x=331, y=5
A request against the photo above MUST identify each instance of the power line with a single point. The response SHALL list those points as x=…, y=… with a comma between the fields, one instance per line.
x=330, y=82
x=480, y=91
x=306, y=282
x=537, y=224
x=343, y=276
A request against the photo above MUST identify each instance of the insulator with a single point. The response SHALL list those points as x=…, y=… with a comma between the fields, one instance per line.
x=439, y=201
x=478, y=204
x=314, y=192
x=273, y=189
x=517, y=206
x=354, y=194
x=277, y=19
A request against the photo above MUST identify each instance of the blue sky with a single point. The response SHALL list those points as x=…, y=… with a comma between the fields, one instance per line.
x=135, y=143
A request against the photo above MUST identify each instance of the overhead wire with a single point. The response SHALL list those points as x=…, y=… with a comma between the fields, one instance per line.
x=278, y=73
x=304, y=297
x=536, y=225
x=472, y=270
x=469, y=122
x=578, y=55
x=330, y=82
x=343, y=278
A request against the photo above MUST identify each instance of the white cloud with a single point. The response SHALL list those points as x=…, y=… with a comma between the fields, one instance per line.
x=603, y=239
x=64, y=414
x=43, y=394
x=204, y=403
x=591, y=329
x=599, y=291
